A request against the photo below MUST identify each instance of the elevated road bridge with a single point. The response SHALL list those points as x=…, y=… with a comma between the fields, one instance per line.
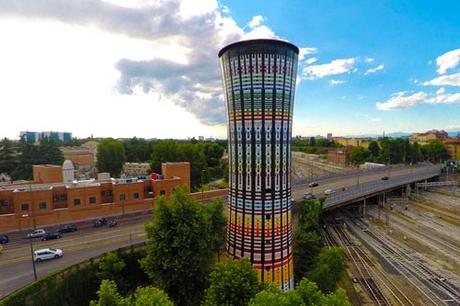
x=359, y=185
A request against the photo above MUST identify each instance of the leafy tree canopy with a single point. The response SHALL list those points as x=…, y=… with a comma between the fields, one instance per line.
x=110, y=156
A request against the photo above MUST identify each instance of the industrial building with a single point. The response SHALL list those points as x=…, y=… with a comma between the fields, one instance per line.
x=259, y=79
x=49, y=200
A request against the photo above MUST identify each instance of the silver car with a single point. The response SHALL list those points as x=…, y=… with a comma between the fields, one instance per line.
x=36, y=233
x=45, y=254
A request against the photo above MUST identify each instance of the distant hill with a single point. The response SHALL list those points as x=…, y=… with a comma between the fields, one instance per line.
x=395, y=135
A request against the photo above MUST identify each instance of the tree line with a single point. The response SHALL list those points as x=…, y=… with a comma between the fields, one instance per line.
x=398, y=150
x=312, y=145
x=17, y=158
x=204, y=157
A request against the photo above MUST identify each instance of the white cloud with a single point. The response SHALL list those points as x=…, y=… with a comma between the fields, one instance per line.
x=311, y=60
x=369, y=60
x=144, y=57
x=255, y=21
x=401, y=100
x=336, y=82
x=303, y=52
x=448, y=60
x=335, y=67
x=445, y=80
x=374, y=70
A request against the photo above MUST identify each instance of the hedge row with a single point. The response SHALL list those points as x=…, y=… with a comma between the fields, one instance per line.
x=77, y=284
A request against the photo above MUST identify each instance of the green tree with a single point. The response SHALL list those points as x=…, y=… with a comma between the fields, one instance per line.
x=217, y=226
x=8, y=156
x=273, y=296
x=305, y=294
x=307, y=241
x=49, y=152
x=111, y=267
x=151, y=296
x=213, y=152
x=192, y=153
x=232, y=283
x=312, y=142
x=109, y=296
x=162, y=152
x=178, y=253
x=435, y=151
x=374, y=148
x=110, y=156
x=309, y=292
x=359, y=155
x=328, y=269
x=137, y=149
x=338, y=298
x=28, y=156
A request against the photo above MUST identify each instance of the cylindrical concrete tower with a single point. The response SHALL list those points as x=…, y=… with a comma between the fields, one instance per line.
x=259, y=83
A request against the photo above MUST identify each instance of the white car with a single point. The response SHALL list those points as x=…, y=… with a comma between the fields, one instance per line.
x=329, y=191
x=36, y=233
x=44, y=254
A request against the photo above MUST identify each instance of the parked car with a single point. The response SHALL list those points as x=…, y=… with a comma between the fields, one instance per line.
x=112, y=223
x=100, y=222
x=67, y=228
x=385, y=178
x=36, y=233
x=52, y=235
x=309, y=196
x=44, y=254
x=329, y=191
x=313, y=184
x=4, y=239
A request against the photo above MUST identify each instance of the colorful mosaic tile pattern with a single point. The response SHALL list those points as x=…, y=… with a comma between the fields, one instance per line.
x=259, y=82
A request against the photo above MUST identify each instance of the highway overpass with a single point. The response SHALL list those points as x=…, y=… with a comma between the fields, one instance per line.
x=354, y=186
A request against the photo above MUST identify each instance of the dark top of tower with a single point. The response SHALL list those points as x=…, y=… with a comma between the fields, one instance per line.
x=254, y=45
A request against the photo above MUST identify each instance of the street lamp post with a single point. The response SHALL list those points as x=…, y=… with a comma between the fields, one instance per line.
x=31, y=252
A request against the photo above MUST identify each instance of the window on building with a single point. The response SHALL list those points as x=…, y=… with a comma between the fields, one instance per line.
x=267, y=217
x=24, y=206
x=136, y=195
x=162, y=192
x=92, y=200
x=122, y=196
x=268, y=190
x=76, y=202
x=42, y=205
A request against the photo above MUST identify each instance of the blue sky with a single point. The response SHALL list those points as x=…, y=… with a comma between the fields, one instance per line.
x=149, y=68
x=405, y=37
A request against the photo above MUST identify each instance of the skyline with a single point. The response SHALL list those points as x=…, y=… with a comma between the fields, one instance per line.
x=105, y=69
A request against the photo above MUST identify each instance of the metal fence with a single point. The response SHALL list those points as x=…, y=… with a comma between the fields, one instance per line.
x=369, y=188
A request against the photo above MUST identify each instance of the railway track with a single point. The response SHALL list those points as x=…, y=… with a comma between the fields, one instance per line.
x=435, y=288
x=361, y=268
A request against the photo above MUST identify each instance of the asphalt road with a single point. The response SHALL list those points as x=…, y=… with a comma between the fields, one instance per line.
x=15, y=261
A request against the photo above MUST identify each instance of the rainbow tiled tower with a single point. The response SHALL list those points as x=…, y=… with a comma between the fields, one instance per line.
x=259, y=83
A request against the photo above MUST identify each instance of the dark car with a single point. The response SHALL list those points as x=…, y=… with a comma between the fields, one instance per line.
x=67, y=228
x=4, y=239
x=51, y=235
x=384, y=178
x=100, y=222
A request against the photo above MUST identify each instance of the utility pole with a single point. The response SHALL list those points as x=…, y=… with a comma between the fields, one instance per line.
x=32, y=255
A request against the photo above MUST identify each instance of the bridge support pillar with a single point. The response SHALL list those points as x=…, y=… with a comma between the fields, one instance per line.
x=364, y=209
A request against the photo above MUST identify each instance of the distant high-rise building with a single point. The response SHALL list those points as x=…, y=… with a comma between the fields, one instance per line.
x=259, y=83
x=33, y=137
x=329, y=136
